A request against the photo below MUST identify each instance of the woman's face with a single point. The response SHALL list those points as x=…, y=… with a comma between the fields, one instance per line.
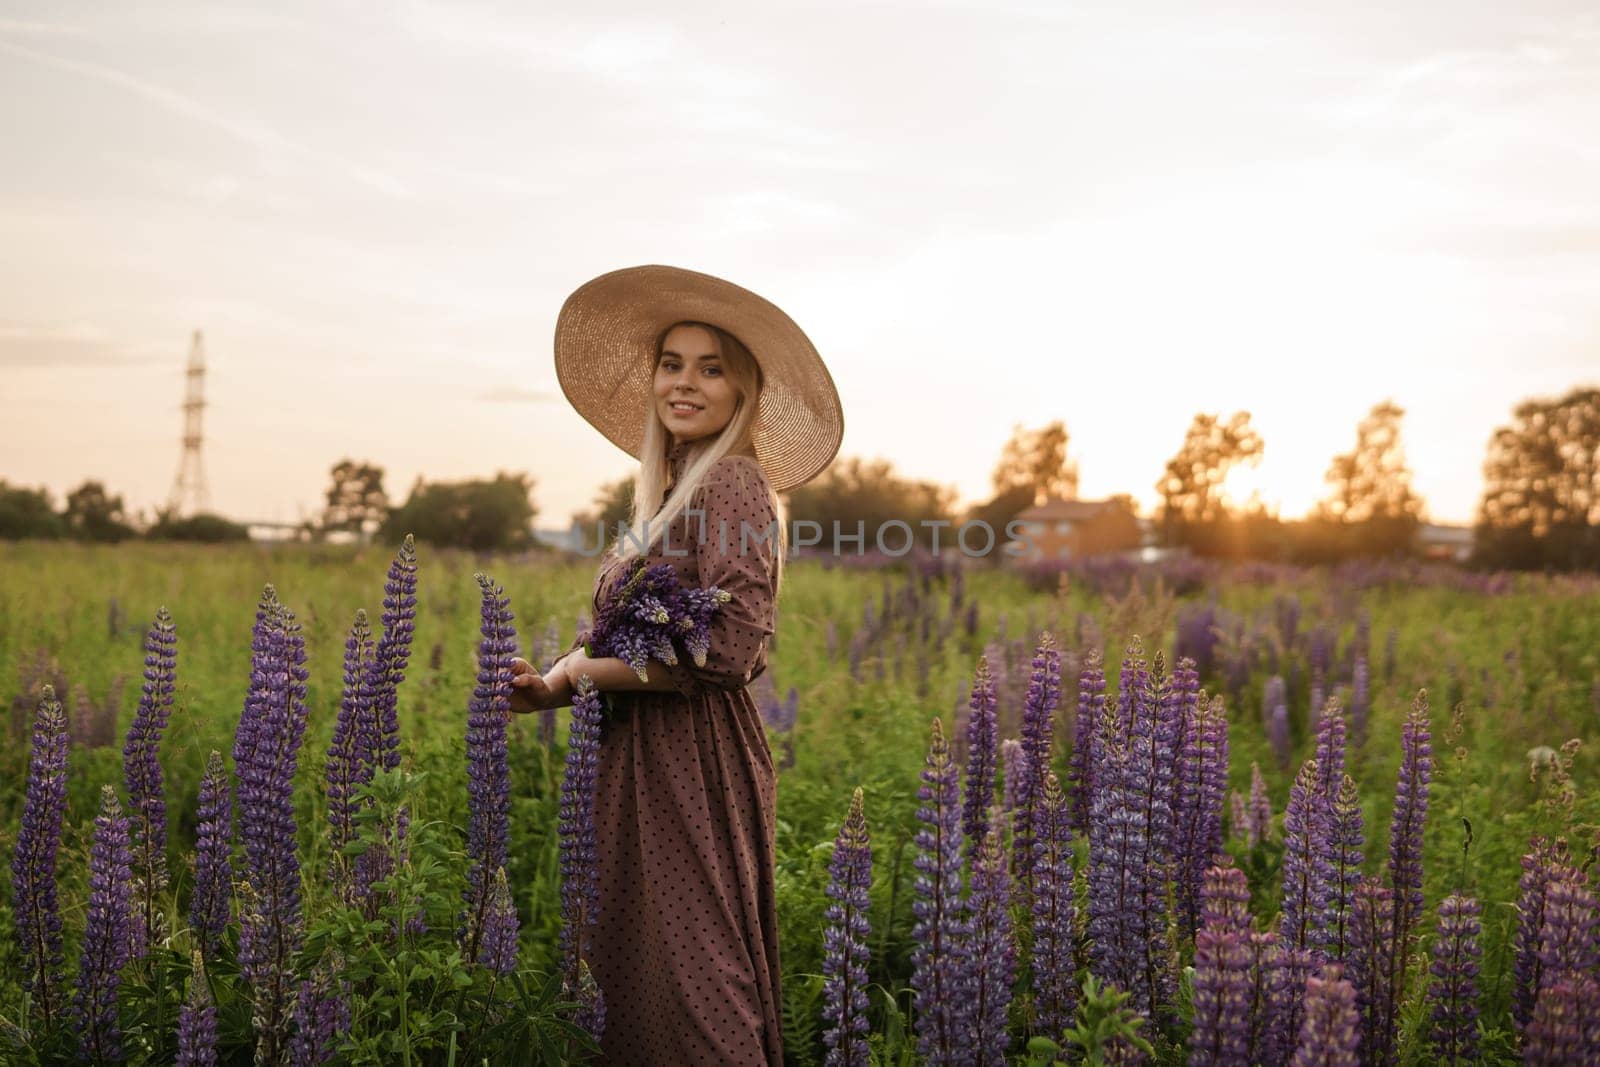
x=693, y=395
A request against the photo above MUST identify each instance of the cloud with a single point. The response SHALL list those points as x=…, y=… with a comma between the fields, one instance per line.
x=43, y=29
x=255, y=134
x=1577, y=240
x=66, y=345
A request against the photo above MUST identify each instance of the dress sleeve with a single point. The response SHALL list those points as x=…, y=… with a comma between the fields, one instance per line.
x=576, y=642
x=735, y=550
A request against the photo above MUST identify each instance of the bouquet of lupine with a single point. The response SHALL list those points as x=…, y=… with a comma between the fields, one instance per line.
x=648, y=612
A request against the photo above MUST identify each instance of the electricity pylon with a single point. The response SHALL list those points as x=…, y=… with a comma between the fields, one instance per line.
x=189, y=489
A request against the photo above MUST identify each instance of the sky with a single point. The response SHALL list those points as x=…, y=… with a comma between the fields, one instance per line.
x=982, y=213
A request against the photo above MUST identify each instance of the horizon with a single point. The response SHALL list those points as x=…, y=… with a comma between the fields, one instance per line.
x=1126, y=216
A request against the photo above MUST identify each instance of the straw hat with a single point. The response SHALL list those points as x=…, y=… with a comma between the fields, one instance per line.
x=605, y=351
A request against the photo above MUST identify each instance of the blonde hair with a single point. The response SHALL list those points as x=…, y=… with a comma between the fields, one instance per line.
x=650, y=499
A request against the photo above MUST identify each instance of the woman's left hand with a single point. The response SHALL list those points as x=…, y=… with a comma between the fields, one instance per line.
x=530, y=692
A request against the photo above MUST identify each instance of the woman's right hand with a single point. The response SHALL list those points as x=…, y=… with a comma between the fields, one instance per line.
x=530, y=692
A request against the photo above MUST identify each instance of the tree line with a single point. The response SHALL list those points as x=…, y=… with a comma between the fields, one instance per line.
x=1540, y=507
x=493, y=514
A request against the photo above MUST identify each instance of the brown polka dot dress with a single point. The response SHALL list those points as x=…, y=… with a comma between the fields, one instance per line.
x=685, y=948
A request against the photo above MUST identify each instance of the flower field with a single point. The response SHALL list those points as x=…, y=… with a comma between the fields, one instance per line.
x=261, y=805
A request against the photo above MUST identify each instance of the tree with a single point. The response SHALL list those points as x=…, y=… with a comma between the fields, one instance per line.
x=28, y=513
x=94, y=515
x=870, y=492
x=1002, y=508
x=1372, y=481
x=1190, y=487
x=1036, y=461
x=483, y=516
x=1371, y=509
x=356, y=500
x=203, y=526
x=612, y=505
x=1541, y=496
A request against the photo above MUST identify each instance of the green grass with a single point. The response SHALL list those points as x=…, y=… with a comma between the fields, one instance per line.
x=1522, y=667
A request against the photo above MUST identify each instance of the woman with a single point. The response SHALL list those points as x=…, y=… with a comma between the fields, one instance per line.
x=725, y=403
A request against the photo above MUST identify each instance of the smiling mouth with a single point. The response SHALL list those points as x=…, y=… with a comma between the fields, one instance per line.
x=683, y=408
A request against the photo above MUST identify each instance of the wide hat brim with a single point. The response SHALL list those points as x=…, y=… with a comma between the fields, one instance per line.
x=605, y=347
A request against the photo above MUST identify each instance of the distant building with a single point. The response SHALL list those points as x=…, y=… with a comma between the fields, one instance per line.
x=1071, y=529
x=1441, y=542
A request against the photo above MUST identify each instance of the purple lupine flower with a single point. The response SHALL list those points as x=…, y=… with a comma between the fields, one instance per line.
x=1185, y=695
x=266, y=751
x=378, y=739
x=1054, y=981
x=1319, y=652
x=1038, y=732
x=1371, y=948
x=580, y=875
x=1225, y=897
x=648, y=611
x=692, y=609
x=982, y=738
x=212, y=898
x=1263, y=947
x=1330, y=1034
x=352, y=753
x=845, y=953
x=1286, y=1004
x=1540, y=865
x=1569, y=940
x=498, y=949
x=1330, y=747
x=1275, y=714
x=1260, y=828
x=1119, y=861
x=992, y=962
x=1360, y=698
x=1198, y=635
x=106, y=933
x=939, y=936
x=1405, y=844
x=36, y=913
x=1202, y=778
x=197, y=1021
x=591, y=1013
x=1154, y=740
x=321, y=1018
x=1453, y=993
x=779, y=716
x=1132, y=685
x=1014, y=761
x=549, y=649
x=1305, y=874
x=1361, y=642
x=1288, y=612
x=1564, y=1030
x=1091, y=706
x=1239, y=818
x=488, y=767
x=141, y=770
x=1223, y=983
x=394, y=650
x=1342, y=860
